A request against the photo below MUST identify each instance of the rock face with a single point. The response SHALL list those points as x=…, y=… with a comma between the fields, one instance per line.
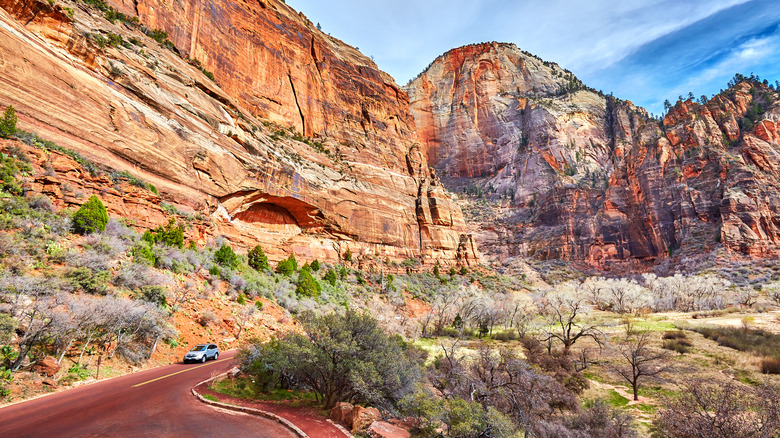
x=381, y=429
x=46, y=366
x=577, y=175
x=362, y=418
x=300, y=144
x=342, y=413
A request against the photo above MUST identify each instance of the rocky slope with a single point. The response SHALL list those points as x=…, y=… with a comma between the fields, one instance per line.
x=345, y=175
x=581, y=176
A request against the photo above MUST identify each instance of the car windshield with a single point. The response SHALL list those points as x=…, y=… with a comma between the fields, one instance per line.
x=199, y=348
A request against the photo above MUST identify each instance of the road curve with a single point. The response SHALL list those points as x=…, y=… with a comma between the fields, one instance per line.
x=152, y=403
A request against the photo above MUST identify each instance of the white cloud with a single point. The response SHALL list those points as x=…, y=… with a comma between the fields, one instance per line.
x=405, y=35
x=755, y=49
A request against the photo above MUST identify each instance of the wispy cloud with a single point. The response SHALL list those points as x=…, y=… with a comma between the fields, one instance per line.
x=645, y=51
x=699, y=58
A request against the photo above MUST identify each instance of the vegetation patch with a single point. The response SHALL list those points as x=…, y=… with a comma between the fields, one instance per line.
x=757, y=342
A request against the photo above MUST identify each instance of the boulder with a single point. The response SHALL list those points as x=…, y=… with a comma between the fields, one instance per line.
x=47, y=366
x=342, y=413
x=382, y=429
x=363, y=417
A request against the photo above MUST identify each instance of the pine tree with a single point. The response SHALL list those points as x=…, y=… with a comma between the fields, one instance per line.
x=8, y=123
x=91, y=217
x=257, y=259
x=307, y=286
x=225, y=256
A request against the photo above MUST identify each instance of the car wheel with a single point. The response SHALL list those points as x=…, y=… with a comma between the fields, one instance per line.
x=203, y=360
x=216, y=356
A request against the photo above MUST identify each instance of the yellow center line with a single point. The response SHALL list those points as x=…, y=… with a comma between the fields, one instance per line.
x=179, y=372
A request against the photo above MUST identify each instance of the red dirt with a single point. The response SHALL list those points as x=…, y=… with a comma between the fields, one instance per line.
x=307, y=419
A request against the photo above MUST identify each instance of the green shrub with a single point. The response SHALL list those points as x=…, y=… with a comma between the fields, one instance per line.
x=348, y=255
x=8, y=123
x=330, y=277
x=161, y=37
x=757, y=342
x=8, y=325
x=114, y=40
x=214, y=271
x=91, y=217
x=226, y=257
x=88, y=280
x=9, y=168
x=259, y=305
x=257, y=259
x=287, y=266
x=79, y=371
x=315, y=265
x=681, y=346
x=171, y=234
x=307, y=286
x=148, y=237
x=241, y=299
x=770, y=365
x=143, y=254
x=674, y=334
x=154, y=294
x=339, y=356
x=505, y=336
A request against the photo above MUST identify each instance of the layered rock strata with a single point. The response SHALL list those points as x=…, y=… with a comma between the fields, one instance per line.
x=300, y=142
x=577, y=175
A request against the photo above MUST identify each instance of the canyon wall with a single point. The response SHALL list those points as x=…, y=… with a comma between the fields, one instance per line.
x=299, y=142
x=568, y=173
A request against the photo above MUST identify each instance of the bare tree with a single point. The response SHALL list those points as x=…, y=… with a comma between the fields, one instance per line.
x=687, y=293
x=522, y=316
x=565, y=306
x=593, y=288
x=773, y=292
x=639, y=360
x=626, y=296
x=31, y=302
x=746, y=296
x=179, y=296
x=707, y=409
x=242, y=316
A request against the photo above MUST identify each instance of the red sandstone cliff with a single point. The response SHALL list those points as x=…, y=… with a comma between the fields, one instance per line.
x=589, y=177
x=218, y=147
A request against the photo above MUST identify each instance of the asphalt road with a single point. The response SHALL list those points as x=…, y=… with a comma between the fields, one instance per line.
x=152, y=403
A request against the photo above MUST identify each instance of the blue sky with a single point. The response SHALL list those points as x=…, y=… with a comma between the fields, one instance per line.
x=644, y=51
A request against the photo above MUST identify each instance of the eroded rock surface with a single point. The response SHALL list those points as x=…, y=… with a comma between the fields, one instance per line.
x=572, y=174
x=346, y=175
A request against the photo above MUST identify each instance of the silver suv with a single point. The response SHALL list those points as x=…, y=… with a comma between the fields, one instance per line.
x=202, y=353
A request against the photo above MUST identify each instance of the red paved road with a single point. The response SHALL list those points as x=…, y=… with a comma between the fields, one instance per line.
x=152, y=403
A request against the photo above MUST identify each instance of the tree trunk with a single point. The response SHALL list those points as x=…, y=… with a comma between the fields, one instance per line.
x=154, y=346
x=64, y=350
x=84, y=348
x=18, y=362
x=330, y=401
x=636, y=389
